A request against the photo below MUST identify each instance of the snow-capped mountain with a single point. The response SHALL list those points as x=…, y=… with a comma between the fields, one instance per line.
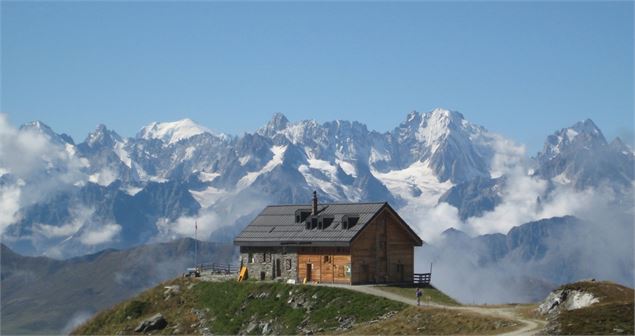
x=108, y=156
x=173, y=132
x=452, y=147
x=122, y=191
x=43, y=129
x=580, y=155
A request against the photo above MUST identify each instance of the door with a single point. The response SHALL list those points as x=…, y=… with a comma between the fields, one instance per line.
x=309, y=269
x=273, y=270
x=365, y=274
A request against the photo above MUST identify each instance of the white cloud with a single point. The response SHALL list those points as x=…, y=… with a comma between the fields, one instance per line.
x=223, y=214
x=583, y=251
x=100, y=234
x=76, y=320
x=79, y=215
x=507, y=156
x=519, y=205
x=53, y=231
x=38, y=167
x=430, y=222
x=104, y=177
x=21, y=152
x=185, y=226
x=9, y=205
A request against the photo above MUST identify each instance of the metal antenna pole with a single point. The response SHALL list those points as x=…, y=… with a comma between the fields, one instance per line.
x=195, y=244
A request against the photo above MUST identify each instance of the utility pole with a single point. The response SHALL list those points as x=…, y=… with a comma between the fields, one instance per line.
x=195, y=245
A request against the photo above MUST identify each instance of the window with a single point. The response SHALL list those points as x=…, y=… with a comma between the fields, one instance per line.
x=347, y=270
x=327, y=259
x=324, y=222
x=348, y=221
x=301, y=215
x=287, y=264
x=251, y=258
x=311, y=223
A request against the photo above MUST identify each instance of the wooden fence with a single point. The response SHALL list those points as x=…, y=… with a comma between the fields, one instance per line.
x=422, y=278
x=220, y=268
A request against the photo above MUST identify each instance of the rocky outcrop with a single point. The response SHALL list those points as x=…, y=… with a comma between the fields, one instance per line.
x=566, y=299
x=562, y=300
x=156, y=322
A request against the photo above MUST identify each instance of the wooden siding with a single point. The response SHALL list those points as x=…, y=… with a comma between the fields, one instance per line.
x=327, y=264
x=382, y=252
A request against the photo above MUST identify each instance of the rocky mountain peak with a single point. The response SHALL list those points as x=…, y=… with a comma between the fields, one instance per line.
x=452, y=231
x=455, y=235
x=583, y=135
x=580, y=155
x=619, y=146
x=102, y=136
x=446, y=116
x=432, y=126
x=342, y=160
x=277, y=123
x=585, y=131
x=42, y=128
x=454, y=148
x=586, y=126
x=36, y=125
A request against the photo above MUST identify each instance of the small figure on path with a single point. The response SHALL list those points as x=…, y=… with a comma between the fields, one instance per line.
x=419, y=293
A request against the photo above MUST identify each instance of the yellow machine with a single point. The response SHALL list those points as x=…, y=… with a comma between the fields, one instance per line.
x=243, y=273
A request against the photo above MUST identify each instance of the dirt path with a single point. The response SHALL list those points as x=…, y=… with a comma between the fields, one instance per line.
x=529, y=326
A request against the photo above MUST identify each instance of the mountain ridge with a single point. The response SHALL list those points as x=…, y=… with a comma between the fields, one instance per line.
x=428, y=160
x=42, y=295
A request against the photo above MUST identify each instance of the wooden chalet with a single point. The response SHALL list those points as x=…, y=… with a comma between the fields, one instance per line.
x=352, y=243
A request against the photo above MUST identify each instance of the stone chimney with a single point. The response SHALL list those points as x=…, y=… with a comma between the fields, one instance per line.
x=315, y=203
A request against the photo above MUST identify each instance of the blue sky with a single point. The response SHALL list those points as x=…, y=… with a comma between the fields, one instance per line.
x=522, y=69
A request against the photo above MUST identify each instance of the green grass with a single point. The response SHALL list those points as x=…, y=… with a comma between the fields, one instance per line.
x=235, y=304
x=231, y=306
x=430, y=294
x=605, y=291
x=598, y=320
x=613, y=314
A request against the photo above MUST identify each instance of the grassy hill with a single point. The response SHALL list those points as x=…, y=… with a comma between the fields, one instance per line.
x=274, y=308
x=612, y=315
x=46, y=296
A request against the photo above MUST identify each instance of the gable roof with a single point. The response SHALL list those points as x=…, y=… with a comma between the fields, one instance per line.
x=276, y=226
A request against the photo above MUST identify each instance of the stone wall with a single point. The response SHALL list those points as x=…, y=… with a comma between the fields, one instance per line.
x=262, y=262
